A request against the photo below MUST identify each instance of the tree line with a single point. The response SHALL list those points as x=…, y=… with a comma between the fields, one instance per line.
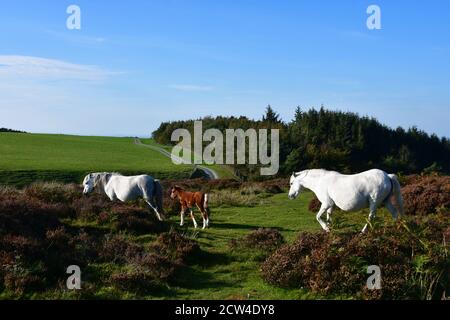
x=334, y=140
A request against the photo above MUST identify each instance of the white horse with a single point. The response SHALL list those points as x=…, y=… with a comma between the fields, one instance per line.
x=117, y=186
x=370, y=189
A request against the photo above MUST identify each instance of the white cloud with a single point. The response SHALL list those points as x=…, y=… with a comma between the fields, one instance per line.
x=190, y=87
x=32, y=68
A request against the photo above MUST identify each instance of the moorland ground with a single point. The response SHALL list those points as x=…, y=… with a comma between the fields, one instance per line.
x=219, y=270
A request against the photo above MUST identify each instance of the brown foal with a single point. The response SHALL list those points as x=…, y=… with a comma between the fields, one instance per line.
x=188, y=200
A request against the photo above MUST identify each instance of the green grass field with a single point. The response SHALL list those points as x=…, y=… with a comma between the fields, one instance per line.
x=224, y=273
x=25, y=158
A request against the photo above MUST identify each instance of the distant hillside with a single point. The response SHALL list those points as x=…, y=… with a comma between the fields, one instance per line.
x=27, y=158
x=335, y=140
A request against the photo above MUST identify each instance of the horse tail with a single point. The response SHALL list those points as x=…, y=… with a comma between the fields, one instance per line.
x=397, y=192
x=158, y=194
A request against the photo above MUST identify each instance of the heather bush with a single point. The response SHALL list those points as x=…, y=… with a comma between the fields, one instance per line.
x=40, y=238
x=136, y=220
x=412, y=256
x=176, y=246
x=150, y=267
x=426, y=194
x=119, y=249
x=52, y=192
x=267, y=240
x=133, y=281
x=314, y=205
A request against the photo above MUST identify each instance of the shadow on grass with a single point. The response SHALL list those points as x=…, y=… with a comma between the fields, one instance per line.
x=207, y=259
x=243, y=226
x=195, y=279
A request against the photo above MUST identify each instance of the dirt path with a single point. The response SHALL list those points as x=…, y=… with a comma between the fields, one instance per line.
x=210, y=173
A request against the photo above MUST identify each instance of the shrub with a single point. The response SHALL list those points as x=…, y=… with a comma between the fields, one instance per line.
x=176, y=246
x=426, y=194
x=263, y=239
x=314, y=205
x=337, y=264
x=134, y=281
x=53, y=192
x=89, y=208
x=118, y=249
x=136, y=220
x=156, y=266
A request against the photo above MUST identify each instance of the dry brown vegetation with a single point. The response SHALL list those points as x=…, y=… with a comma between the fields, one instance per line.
x=413, y=257
x=39, y=239
x=426, y=194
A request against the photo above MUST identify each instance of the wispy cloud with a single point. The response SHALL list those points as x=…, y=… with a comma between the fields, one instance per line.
x=32, y=68
x=77, y=38
x=190, y=87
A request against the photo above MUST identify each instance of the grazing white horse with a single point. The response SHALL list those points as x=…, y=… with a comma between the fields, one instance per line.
x=117, y=186
x=369, y=189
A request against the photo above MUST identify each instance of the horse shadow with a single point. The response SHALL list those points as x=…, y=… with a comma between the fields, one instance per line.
x=195, y=279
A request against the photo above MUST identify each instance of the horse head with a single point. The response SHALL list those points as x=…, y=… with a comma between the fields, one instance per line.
x=88, y=183
x=295, y=185
x=175, y=191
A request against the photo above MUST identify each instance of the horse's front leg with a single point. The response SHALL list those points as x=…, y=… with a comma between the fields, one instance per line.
x=153, y=206
x=319, y=218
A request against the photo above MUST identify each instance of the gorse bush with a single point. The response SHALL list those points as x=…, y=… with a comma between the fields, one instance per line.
x=412, y=256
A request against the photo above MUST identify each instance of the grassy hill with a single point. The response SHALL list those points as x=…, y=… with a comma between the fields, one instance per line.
x=25, y=158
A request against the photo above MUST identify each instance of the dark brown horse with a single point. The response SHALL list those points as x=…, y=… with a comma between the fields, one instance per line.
x=190, y=199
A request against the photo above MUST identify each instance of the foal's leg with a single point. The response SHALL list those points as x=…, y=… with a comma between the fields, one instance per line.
x=319, y=218
x=193, y=218
x=183, y=210
x=153, y=206
x=204, y=215
x=373, y=212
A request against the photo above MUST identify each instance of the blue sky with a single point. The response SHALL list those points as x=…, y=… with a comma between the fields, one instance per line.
x=136, y=63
